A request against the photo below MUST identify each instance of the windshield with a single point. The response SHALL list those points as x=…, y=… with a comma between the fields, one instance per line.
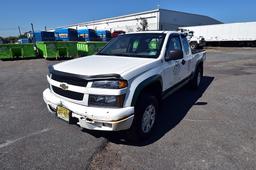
x=144, y=45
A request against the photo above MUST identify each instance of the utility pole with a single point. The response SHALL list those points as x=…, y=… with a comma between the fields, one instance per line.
x=19, y=30
x=33, y=32
x=32, y=27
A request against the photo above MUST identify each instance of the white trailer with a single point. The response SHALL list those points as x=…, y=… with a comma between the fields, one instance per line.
x=233, y=34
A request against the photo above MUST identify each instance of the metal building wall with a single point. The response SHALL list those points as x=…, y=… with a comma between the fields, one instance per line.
x=158, y=19
x=171, y=20
x=128, y=23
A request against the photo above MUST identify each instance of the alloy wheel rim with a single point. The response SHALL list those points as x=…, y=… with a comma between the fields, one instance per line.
x=148, y=118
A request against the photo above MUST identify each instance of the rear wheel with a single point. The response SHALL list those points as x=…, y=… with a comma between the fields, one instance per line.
x=196, y=81
x=193, y=45
x=145, y=117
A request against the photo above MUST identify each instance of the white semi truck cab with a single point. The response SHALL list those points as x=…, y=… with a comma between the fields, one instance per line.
x=195, y=42
x=120, y=87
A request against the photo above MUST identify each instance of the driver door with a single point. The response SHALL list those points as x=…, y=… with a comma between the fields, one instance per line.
x=173, y=68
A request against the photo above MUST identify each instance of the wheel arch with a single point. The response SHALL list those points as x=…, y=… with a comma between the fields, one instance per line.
x=152, y=84
x=199, y=65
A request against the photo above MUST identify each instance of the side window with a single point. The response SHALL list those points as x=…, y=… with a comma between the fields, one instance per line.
x=174, y=44
x=185, y=45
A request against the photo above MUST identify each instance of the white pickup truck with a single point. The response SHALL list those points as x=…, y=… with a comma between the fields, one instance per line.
x=121, y=86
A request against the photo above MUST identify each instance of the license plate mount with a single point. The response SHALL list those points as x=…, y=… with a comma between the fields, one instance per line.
x=63, y=113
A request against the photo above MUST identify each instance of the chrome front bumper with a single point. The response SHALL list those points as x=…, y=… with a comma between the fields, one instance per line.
x=94, y=118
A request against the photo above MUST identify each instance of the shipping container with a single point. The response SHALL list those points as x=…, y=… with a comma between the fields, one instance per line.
x=87, y=35
x=66, y=34
x=233, y=34
x=104, y=35
x=44, y=36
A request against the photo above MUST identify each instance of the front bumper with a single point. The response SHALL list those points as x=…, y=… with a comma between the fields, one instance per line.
x=94, y=118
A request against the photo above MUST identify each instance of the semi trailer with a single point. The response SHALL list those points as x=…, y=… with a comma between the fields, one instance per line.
x=232, y=34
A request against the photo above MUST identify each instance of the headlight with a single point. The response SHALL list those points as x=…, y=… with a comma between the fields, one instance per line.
x=110, y=84
x=106, y=101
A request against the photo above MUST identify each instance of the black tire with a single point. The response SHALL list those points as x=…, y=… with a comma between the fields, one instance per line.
x=197, y=78
x=193, y=45
x=136, y=132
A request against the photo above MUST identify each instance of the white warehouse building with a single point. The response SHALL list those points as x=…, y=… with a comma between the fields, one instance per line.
x=158, y=19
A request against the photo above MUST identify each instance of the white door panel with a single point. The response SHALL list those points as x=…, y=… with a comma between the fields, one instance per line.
x=188, y=56
x=168, y=74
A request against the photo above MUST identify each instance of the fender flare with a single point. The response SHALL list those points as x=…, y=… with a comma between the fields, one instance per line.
x=143, y=85
x=201, y=61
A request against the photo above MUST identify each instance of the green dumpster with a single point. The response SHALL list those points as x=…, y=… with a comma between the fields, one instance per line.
x=57, y=49
x=11, y=51
x=5, y=52
x=89, y=48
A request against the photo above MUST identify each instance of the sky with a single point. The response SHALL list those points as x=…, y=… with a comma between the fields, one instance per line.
x=54, y=13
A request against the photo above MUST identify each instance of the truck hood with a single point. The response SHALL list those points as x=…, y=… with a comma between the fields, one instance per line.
x=101, y=65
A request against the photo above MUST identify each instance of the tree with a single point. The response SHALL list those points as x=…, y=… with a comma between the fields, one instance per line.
x=11, y=39
x=22, y=36
x=1, y=40
x=143, y=25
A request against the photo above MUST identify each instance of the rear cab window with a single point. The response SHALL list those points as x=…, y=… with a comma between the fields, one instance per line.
x=185, y=45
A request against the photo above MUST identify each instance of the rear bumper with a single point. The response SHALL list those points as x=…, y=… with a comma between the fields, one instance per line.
x=94, y=118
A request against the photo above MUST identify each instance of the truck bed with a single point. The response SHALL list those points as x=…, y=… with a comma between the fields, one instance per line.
x=197, y=51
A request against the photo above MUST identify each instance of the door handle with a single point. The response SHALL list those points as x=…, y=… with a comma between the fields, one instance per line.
x=183, y=62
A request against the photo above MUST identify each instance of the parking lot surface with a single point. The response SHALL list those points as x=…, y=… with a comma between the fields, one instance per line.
x=211, y=128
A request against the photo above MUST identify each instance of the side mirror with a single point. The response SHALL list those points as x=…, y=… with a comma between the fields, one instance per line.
x=174, y=55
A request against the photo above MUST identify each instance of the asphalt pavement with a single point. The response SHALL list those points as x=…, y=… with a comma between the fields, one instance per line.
x=211, y=128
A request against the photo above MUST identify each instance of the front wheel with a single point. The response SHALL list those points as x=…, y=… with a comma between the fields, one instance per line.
x=145, y=117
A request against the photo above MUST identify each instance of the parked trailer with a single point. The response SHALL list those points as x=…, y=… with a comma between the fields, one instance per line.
x=234, y=34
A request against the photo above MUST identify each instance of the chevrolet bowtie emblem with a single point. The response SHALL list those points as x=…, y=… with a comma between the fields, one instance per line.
x=63, y=86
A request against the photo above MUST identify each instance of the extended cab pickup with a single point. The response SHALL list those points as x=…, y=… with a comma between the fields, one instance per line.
x=121, y=86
